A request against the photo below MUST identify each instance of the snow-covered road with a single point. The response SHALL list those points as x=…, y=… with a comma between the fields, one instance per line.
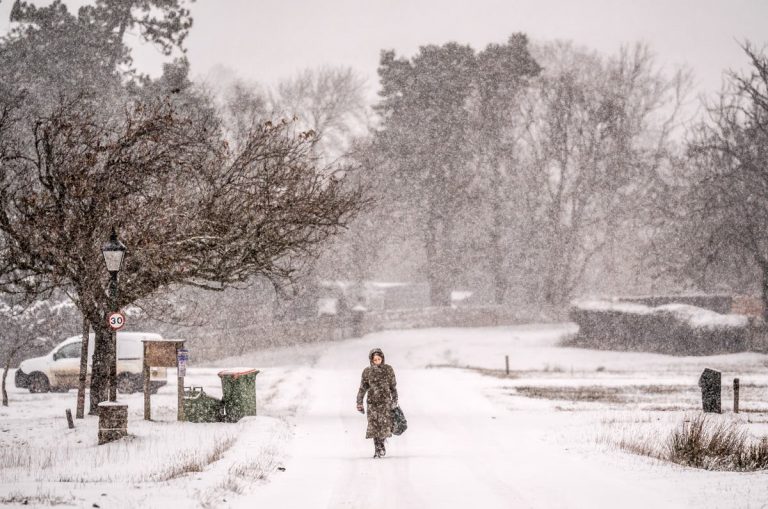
x=461, y=448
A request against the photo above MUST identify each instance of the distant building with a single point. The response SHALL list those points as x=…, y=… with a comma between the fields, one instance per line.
x=374, y=295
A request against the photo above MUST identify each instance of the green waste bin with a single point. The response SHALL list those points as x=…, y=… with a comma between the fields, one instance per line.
x=238, y=387
x=200, y=407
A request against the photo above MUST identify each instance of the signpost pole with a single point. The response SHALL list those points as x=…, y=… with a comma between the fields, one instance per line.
x=181, y=367
x=116, y=321
x=145, y=374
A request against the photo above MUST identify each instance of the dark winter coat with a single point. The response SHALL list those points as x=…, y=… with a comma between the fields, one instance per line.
x=379, y=383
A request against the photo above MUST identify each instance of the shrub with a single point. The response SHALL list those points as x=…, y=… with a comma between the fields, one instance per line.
x=672, y=328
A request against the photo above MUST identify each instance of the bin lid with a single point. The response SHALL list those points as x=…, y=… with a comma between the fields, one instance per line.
x=236, y=372
x=112, y=403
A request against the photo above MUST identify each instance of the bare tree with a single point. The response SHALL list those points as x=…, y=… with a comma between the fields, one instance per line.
x=597, y=137
x=328, y=100
x=191, y=210
x=244, y=105
x=726, y=204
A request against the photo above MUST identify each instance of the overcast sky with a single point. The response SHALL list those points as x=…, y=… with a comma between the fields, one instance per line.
x=266, y=40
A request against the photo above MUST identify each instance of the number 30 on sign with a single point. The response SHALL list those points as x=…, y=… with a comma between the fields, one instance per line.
x=116, y=321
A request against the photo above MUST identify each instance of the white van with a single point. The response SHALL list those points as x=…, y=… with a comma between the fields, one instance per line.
x=59, y=371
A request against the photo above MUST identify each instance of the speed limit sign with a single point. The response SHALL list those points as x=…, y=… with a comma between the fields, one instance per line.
x=116, y=320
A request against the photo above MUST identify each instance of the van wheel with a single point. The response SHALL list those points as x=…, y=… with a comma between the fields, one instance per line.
x=127, y=384
x=38, y=382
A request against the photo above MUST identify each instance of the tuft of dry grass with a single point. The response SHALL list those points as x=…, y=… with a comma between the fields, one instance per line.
x=699, y=442
x=194, y=460
x=239, y=476
x=588, y=393
x=702, y=443
x=38, y=499
x=498, y=373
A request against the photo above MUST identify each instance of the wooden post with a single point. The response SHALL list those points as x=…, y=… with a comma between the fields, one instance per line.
x=83, y=369
x=180, y=381
x=736, y=395
x=145, y=375
x=506, y=358
x=70, y=422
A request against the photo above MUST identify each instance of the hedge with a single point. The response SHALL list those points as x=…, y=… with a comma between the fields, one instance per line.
x=677, y=329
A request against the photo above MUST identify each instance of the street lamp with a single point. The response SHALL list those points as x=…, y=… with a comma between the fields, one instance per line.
x=113, y=252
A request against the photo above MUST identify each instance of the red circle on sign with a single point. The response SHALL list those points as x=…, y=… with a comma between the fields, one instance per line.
x=116, y=321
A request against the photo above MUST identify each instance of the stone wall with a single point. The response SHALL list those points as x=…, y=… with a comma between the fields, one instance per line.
x=215, y=344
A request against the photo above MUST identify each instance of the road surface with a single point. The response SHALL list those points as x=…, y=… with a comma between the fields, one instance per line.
x=462, y=449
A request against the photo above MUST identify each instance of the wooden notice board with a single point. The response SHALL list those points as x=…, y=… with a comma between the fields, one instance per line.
x=162, y=353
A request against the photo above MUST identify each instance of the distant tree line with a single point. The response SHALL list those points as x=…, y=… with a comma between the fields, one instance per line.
x=539, y=173
x=516, y=169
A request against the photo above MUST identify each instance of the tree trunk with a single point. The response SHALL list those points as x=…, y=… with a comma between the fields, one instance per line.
x=5, y=375
x=764, y=268
x=498, y=253
x=439, y=290
x=100, y=365
x=83, y=369
x=552, y=272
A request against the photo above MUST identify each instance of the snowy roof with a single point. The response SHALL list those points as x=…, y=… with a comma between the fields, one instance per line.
x=135, y=336
x=160, y=339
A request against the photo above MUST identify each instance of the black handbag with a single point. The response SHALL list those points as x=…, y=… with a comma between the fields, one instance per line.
x=399, y=423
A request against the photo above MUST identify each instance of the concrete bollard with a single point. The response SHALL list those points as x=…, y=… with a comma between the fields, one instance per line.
x=709, y=382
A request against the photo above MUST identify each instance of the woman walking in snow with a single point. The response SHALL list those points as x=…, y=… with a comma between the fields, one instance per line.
x=378, y=381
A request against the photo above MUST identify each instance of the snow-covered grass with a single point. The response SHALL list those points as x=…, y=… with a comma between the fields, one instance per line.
x=711, y=442
x=44, y=463
x=149, y=453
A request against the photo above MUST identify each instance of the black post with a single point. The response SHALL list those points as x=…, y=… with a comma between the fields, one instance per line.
x=113, y=252
x=113, y=353
x=736, y=395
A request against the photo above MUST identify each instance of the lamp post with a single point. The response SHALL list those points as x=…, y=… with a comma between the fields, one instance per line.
x=113, y=252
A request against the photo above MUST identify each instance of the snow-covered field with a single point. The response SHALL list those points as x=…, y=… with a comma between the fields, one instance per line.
x=544, y=436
